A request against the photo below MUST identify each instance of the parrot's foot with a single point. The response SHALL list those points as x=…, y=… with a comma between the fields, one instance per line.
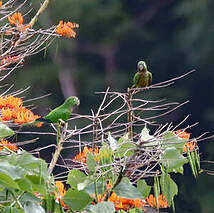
x=61, y=121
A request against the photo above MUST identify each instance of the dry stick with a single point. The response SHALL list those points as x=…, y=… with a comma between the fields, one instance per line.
x=95, y=119
x=58, y=150
x=41, y=9
x=94, y=129
x=130, y=113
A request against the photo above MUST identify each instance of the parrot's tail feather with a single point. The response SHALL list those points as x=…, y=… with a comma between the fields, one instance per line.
x=43, y=120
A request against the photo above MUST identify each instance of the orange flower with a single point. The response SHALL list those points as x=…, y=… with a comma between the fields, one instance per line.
x=82, y=156
x=1, y=4
x=10, y=102
x=8, y=145
x=66, y=29
x=16, y=19
x=124, y=203
x=7, y=114
x=61, y=192
x=162, y=203
x=99, y=197
x=191, y=144
x=182, y=134
x=12, y=109
x=25, y=116
x=11, y=60
x=116, y=200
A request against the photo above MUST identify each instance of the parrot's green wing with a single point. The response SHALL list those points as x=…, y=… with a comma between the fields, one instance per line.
x=150, y=78
x=58, y=113
x=136, y=79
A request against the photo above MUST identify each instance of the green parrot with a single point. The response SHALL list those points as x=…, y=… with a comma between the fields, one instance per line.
x=143, y=77
x=59, y=114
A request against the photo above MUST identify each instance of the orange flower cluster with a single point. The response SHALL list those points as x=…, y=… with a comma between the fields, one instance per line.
x=120, y=202
x=17, y=20
x=191, y=145
x=8, y=145
x=11, y=60
x=12, y=109
x=162, y=203
x=61, y=192
x=66, y=29
x=124, y=203
x=82, y=156
x=1, y=4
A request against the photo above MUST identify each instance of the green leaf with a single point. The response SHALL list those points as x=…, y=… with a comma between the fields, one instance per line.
x=15, y=172
x=170, y=139
x=125, y=148
x=172, y=159
x=90, y=188
x=127, y=190
x=168, y=187
x=179, y=170
x=7, y=181
x=91, y=163
x=12, y=210
x=77, y=200
x=29, y=197
x=38, y=183
x=27, y=160
x=24, y=184
x=156, y=189
x=105, y=154
x=32, y=207
x=145, y=136
x=104, y=207
x=197, y=158
x=75, y=177
x=192, y=163
x=135, y=210
x=5, y=131
x=121, y=211
x=143, y=188
x=112, y=142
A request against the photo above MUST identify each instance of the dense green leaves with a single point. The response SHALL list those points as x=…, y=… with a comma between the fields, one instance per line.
x=168, y=187
x=91, y=163
x=173, y=160
x=7, y=181
x=76, y=177
x=77, y=200
x=32, y=207
x=143, y=188
x=104, y=207
x=170, y=139
x=127, y=190
x=12, y=210
x=5, y=131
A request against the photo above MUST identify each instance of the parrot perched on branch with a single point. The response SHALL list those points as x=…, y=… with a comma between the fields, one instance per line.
x=59, y=114
x=143, y=77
